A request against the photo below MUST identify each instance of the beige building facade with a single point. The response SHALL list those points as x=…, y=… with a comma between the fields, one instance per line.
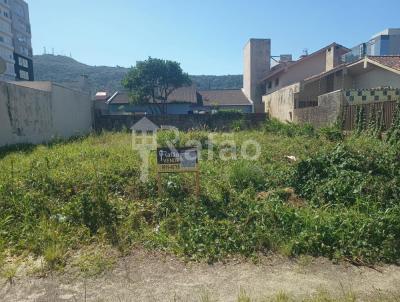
x=257, y=63
x=318, y=99
x=6, y=40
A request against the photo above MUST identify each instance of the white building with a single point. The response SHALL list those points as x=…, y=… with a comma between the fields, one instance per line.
x=6, y=40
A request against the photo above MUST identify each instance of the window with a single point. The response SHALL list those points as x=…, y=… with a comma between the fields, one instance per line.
x=277, y=82
x=23, y=62
x=1, y=39
x=24, y=75
x=269, y=85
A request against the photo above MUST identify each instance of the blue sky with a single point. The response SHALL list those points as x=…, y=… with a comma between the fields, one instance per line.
x=205, y=36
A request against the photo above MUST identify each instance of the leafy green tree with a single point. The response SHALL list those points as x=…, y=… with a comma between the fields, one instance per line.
x=154, y=80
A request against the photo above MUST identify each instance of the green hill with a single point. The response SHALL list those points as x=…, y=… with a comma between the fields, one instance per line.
x=66, y=71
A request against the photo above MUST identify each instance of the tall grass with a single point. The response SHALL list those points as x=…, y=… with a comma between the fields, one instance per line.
x=344, y=203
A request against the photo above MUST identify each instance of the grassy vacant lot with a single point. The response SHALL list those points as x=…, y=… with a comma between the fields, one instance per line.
x=340, y=199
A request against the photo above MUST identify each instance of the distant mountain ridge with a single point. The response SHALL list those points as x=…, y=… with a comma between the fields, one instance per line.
x=66, y=71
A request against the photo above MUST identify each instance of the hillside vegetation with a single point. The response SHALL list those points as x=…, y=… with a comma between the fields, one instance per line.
x=65, y=70
x=339, y=199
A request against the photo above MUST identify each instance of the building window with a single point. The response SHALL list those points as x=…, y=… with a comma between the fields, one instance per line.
x=24, y=75
x=269, y=85
x=23, y=62
x=277, y=82
x=1, y=39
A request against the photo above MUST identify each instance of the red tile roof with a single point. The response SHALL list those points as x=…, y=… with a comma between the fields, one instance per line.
x=389, y=61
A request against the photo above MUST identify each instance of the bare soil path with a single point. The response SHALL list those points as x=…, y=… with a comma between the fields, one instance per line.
x=145, y=276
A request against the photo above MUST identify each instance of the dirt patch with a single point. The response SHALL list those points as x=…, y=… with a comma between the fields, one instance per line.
x=145, y=276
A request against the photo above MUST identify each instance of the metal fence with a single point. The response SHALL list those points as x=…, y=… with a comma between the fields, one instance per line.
x=385, y=110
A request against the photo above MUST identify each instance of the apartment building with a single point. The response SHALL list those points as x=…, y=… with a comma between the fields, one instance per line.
x=15, y=40
x=6, y=40
x=384, y=43
x=21, y=29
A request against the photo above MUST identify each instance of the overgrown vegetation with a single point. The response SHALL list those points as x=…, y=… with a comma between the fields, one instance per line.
x=339, y=198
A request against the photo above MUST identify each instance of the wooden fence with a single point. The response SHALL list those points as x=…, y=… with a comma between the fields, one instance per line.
x=385, y=110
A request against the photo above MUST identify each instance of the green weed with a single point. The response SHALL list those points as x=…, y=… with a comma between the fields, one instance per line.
x=60, y=198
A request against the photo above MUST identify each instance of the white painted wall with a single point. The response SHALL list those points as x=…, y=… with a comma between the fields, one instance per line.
x=72, y=112
x=34, y=116
x=375, y=78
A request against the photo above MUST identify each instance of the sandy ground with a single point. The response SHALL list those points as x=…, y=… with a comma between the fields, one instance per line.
x=147, y=276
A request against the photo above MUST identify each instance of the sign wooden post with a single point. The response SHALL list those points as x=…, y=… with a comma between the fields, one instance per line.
x=178, y=160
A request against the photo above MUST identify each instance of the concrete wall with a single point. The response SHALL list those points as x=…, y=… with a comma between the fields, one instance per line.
x=257, y=61
x=72, y=112
x=25, y=115
x=280, y=104
x=179, y=108
x=325, y=114
x=34, y=116
x=222, y=122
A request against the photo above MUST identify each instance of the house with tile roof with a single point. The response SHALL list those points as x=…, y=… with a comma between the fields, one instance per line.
x=185, y=100
x=281, y=87
x=226, y=99
x=369, y=79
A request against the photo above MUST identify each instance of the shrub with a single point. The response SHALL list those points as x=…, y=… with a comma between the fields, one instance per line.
x=238, y=125
x=393, y=135
x=246, y=174
x=333, y=133
x=234, y=113
x=199, y=136
x=288, y=129
x=168, y=137
x=344, y=176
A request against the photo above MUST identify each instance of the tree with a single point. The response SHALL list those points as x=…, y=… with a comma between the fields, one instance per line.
x=153, y=81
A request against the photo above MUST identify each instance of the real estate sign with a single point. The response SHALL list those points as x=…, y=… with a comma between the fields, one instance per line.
x=170, y=160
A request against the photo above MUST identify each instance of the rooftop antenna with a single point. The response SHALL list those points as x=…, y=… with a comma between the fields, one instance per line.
x=305, y=52
x=44, y=50
x=52, y=50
